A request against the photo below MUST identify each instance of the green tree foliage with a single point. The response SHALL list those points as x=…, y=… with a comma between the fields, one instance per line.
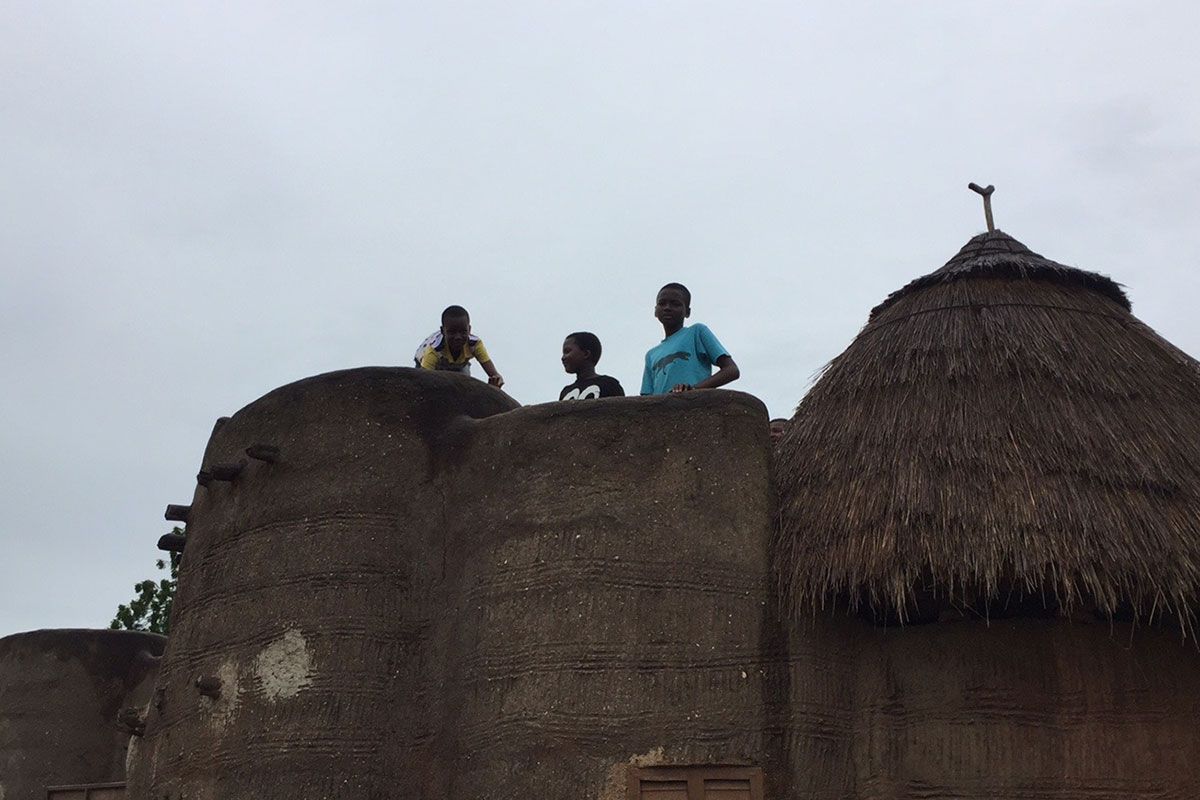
x=150, y=609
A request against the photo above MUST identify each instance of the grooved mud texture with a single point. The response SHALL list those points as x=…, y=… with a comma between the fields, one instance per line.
x=60, y=694
x=1019, y=708
x=426, y=597
x=1030, y=709
x=435, y=594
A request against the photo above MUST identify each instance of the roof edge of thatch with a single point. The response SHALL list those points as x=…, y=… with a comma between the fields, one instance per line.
x=997, y=255
x=931, y=597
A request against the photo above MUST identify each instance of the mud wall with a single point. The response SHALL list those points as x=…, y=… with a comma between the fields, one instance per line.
x=309, y=594
x=424, y=599
x=809, y=701
x=1026, y=708
x=612, y=595
x=60, y=695
x=433, y=594
x=1029, y=708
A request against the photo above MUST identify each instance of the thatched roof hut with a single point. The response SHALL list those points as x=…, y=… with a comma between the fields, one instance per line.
x=1002, y=433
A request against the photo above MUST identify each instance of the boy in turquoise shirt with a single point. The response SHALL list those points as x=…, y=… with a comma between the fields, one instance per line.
x=684, y=359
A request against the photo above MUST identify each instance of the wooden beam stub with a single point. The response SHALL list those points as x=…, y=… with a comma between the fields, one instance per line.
x=172, y=542
x=228, y=471
x=176, y=513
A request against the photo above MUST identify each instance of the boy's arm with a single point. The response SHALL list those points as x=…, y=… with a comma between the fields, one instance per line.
x=493, y=376
x=727, y=372
x=480, y=353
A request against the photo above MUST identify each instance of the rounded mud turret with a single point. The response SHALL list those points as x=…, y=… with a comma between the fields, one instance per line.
x=298, y=663
x=69, y=702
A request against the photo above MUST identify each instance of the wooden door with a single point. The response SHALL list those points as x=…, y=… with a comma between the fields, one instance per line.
x=695, y=783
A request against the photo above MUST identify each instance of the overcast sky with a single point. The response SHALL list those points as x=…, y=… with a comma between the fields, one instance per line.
x=202, y=201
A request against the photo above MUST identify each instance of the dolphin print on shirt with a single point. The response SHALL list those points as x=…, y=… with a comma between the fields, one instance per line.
x=665, y=361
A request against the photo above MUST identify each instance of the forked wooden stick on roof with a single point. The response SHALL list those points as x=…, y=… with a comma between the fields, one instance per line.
x=987, y=202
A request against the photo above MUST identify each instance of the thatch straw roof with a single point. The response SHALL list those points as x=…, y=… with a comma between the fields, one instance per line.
x=1002, y=430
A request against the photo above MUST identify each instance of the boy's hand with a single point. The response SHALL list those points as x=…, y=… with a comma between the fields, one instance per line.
x=496, y=380
x=681, y=387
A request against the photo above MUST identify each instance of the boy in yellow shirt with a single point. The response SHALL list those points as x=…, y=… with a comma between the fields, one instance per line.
x=453, y=346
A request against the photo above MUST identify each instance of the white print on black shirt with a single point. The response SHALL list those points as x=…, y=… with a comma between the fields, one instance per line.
x=587, y=393
x=592, y=388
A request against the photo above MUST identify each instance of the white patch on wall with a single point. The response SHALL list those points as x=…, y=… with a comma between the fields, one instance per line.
x=614, y=787
x=650, y=758
x=284, y=667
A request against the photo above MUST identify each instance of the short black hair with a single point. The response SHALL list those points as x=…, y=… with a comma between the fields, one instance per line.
x=454, y=312
x=588, y=342
x=687, y=296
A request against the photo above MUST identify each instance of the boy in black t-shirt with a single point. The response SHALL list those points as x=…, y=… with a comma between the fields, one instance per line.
x=580, y=354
